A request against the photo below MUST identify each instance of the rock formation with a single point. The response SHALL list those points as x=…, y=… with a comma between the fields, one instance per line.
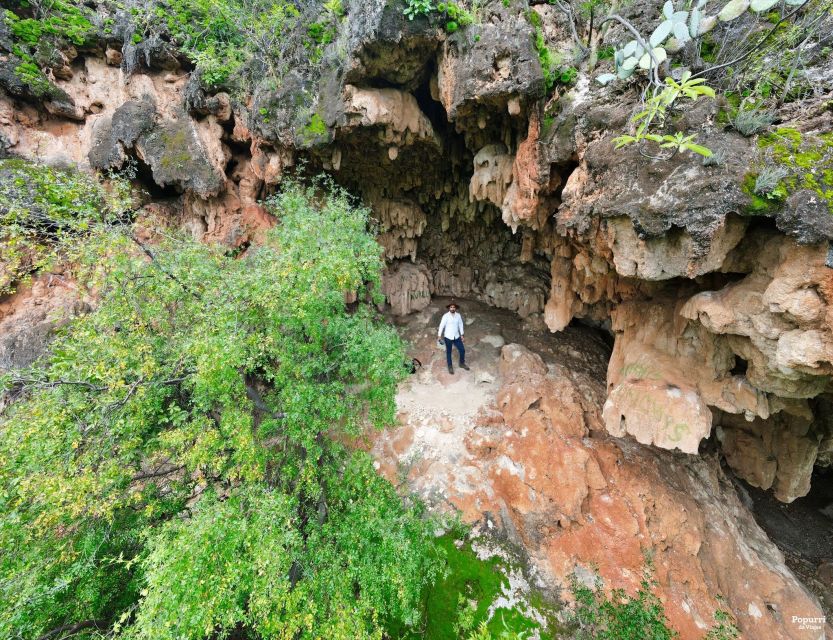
x=524, y=447
x=483, y=187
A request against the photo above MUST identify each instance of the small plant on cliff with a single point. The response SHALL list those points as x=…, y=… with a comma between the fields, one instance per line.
x=768, y=180
x=237, y=43
x=175, y=467
x=748, y=122
x=553, y=67
x=805, y=159
x=599, y=615
x=40, y=29
x=682, y=29
x=414, y=8
x=725, y=625
x=654, y=115
x=619, y=616
x=452, y=14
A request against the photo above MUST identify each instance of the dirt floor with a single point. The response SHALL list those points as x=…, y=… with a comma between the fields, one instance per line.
x=438, y=411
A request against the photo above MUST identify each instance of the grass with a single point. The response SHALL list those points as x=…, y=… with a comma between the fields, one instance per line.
x=476, y=583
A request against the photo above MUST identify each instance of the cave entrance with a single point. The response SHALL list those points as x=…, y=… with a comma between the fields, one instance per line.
x=481, y=258
x=802, y=530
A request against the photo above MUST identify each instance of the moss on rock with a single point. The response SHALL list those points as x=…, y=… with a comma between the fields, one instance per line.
x=469, y=596
x=808, y=159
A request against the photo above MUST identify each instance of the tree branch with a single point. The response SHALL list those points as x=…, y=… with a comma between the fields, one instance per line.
x=153, y=259
x=72, y=629
x=50, y=384
x=158, y=473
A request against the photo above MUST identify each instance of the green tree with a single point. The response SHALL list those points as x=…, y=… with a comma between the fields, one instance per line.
x=43, y=208
x=173, y=468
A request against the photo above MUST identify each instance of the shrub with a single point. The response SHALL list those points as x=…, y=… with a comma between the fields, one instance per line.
x=619, y=616
x=654, y=114
x=453, y=15
x=414, y=8
x=42, y=209
x=748, y=122
x=767, y=181
x=52, y=25
x=174, y=469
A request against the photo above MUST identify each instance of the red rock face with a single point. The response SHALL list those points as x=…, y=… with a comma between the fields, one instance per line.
x=534, y=459
x=29, y=317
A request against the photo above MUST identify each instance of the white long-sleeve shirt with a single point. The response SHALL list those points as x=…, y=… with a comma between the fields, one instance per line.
x=451, y=326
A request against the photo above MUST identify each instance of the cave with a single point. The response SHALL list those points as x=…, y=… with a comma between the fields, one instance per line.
x=802, y=529
x=650, y=340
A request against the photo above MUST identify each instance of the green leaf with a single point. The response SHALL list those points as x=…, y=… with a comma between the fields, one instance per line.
x=681, y=32
x=661, y=33
x=605, y=78
x=694, y=22
x=645, y=62
x=630, y=49
x=629, y=64
x=624, y=140
x=624, y=74
x=696, y=148
x=762, y=5
x=732, y=10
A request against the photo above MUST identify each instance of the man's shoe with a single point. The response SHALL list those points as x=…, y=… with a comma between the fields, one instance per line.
x=464, y=366
x=451, y=370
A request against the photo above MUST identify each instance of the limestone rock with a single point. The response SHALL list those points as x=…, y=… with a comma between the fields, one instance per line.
x=492, y=174
x=571, y=500
x=176, y=156
x=400, y=224
x=777, y=309
x=171, y=147
x=775, y=453
x=660, y=414
x=115, y=134
x=30, y=316
x=806, y=217
x=667, y=217
x=395, y=112
x=526, y=202
x=383, y=48
x=406, y=287
x=676, y=253
x=498, y=66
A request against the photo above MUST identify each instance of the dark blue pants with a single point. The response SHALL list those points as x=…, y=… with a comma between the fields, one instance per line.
x=460, y=348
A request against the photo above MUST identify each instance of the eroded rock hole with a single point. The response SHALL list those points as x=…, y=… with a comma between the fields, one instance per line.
x=143, y=175
x=740, y=368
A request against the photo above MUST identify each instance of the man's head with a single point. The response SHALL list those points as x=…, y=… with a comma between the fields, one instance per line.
x=452, y=308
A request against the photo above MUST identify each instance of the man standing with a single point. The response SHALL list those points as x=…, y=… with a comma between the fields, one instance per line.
x=451, y=330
